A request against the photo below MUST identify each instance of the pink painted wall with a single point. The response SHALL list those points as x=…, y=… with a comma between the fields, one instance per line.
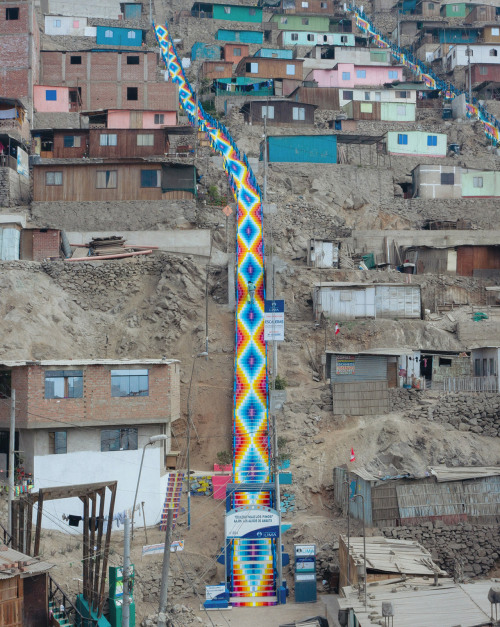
x=42, y=105
x=375, y=75
x=120, y=118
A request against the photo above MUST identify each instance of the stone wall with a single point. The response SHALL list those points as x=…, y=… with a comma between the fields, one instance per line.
x=401, y=399
x=479, y=413
x=462, y=550
x=14, y=188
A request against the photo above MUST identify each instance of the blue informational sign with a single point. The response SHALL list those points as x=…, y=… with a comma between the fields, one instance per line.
x=274, y=320
x=274, y=306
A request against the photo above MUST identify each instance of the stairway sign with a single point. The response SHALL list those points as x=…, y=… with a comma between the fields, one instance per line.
x=252, y=521
x=274, y=320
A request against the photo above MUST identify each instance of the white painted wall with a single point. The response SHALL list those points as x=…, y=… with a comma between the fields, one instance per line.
x=61, y=25
x=87, y=8
x=480, y=54
x=93, y=467
x=378, y=95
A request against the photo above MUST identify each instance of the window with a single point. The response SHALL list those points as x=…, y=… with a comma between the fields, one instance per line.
x=447, y=178
x=324, y=5
x=477, y=367
x=267, y=112
x=366, y=107
x=133, y=60
x=378, y=96
x=299, y=113
x=290, y=69
x=346, y=76
x=483, y=70
x=393, y=74
x=132, y=93
x=295, y=37
x=477, y=181
x=305, y=21
x=402, y=94
x=106, y=179
x=236, y=52
x=492, y=367
x=402, y=139
x=56, y=23
x=119, y=439
x=227, y=10
x=251, y=11
x=252, y=68
x=343, y=39
x=50, y=94
x=145, y=139
x=430, y=6
x=283, y=20
x=130, y=382
x=108, y=34
x=493, y=52
x=57, y=443
x=347, y=95
x=305, y=5
x=5, y=383
x=159, y=118
x=360, y=73
x=64, y=384
x=310, y=36
x=432, y=140
x=444, y=362
x=72, y=141
x=367, y=95
x=454, y=8
x=401, y=110
x=53, y=178
x=219, y=68
x=108, y=139
x=76, y=23
x=495, y=32
x=12, y=13
x=131, y=34
x=150, y=178
x=75, y=60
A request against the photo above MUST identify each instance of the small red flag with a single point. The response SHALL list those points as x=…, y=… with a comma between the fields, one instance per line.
x=337, y=328
x=353, y=457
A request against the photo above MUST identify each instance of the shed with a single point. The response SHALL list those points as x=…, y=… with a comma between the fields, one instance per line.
x=279, y=113
x=314, y=23
x=213, y=70
x=243, y=36
x=416, y=143
x=234, y=52
x=326, y=98
x=450, y=495
x=114, y=36
x=323, y=253
x=301, y=149
x=270, y=68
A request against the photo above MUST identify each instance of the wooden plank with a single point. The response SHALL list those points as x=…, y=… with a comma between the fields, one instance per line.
x=86, y=548
x=102, y=598
x=36, y=550
x=102, y=497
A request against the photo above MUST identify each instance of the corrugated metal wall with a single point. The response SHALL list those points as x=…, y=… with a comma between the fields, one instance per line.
x=366, y=368
x=348, y=304
x=356, y=486
x=9, y=244
x=397, y=301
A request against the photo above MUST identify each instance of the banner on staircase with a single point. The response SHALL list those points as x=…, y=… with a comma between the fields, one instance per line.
x=252, y=521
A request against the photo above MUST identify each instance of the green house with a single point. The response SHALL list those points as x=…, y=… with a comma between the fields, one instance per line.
x=480, y=184
x=311, y=23
x=228, y=12
x=420, y=143
x=455, y=9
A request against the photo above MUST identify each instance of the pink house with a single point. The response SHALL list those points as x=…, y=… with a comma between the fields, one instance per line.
x=350, y=75
x=48, y=99
x=124, y=118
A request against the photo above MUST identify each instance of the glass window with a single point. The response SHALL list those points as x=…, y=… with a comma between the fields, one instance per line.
x=444, y=362
x=5, y=383
x=64, y=384
x=483, y=70
x=367, y=95
x=495, y=32
x=432, y=140
x=430, y=5
x=159, y=118
x=12, y=13
x=75, y=60
x=53, y=178
x=447, y=178
x=108, y=34
x=290, y=69
x=72, y=141
x=346, y=76
x=477, y=181
x=299, y=113
x=492, y=367
x=493, y=52
x=133, y=60
x=267, y=112
x=108, y=139
x=477, y=367
x=343, y=39
x=401, y=110
x=283, y=20
x=131, y=34
x=130, y=382
x=402, y=139
x=132, y=93
x=360, y=73
x=393, y=73
x=402, y=94
x=295, y=36
x=253, y=68
x=310, y=37
x=305, y=21
x=150, y=178
x=57, y=24
x=324, y=5
x=50, y=94
x=366, y=107
x=454, y=8
x=145, y=139
x=378, y=96
x=236, y=52
x=305, y=5
x=57, y=443
x=106, y=179
x=119, y=439
x=227, y=10
x=347, y=95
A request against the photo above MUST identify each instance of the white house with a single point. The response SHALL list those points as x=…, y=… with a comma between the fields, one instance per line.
x=479, y=53
x=397, y=96
x=73, y=26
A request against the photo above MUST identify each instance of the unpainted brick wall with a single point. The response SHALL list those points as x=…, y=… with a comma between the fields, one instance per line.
x=46, y=243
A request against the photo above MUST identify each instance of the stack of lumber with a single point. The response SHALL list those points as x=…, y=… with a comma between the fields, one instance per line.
x=107, y=245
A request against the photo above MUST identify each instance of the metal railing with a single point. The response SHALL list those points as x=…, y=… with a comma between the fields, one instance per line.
x=59, y=597
x=470, y=384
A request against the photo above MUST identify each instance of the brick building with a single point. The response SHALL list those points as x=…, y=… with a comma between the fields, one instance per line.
x=93, y=418
x=108, y=79
x=19, y=49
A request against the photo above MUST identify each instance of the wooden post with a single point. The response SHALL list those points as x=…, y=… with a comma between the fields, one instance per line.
x=29, y=526
x=36, y=550
x=106, y=549
x=102, y=497
x=21, y=527
x=144, y=521
x=15, y=513
x=86, y=547
x=92, y=550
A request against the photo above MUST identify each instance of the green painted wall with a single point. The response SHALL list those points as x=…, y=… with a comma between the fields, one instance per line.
x=416, y=144
x=312, y=24
x=237, y=14
x=458, y=9
x=392, y=112
x=490, y=184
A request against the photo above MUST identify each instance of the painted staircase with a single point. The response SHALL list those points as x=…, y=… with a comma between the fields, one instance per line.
x=172, y=498
x=59, y=619
x=253, y=573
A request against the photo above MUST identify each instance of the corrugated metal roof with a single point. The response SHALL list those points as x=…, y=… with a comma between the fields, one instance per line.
x=349, y=284
x=376, y=351
x=419, y=602
x=460, y=473
x=8, y=557
x=87, y=362
x=393, y=556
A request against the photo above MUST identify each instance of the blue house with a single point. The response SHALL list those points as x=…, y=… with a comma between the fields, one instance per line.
x=243, y=36
x=112, y=36
x=301, y=149
x=458, y=35
x=274, y=53
x=205, y=51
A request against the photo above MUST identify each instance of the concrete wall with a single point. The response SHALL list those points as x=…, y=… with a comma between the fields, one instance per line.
x=93, y=467
x=427, y=181
x=374, y=240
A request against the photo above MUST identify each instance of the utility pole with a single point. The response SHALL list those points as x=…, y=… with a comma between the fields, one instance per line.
x=150, y=12
x=164, y=571
x=468, y=53
x=12, y=463
x=278, y=506
x=126, y=574
x=399, y=29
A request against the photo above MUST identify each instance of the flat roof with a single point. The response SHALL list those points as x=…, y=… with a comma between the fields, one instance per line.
x=87, y=362
x=376, y=351
x=349, y=284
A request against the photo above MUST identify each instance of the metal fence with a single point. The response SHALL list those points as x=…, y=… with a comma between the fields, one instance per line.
x=470, y=384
